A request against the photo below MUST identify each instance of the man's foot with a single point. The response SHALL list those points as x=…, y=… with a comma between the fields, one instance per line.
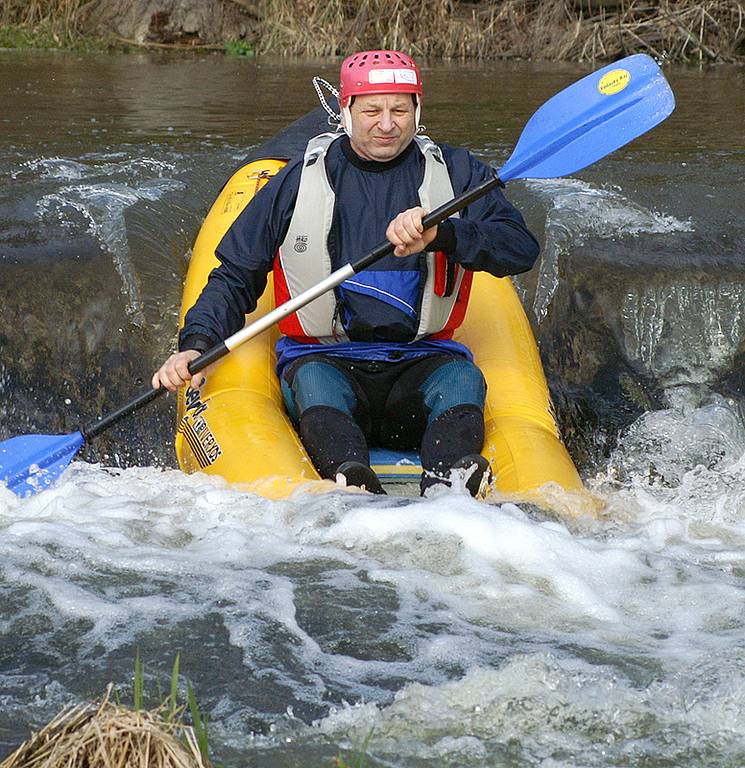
x=477, y=474
x=356, y=473
x=473, y=471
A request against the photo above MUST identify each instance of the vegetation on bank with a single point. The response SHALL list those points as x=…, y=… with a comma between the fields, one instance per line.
x=107, y=734
x=46, y=24
x=571, y=30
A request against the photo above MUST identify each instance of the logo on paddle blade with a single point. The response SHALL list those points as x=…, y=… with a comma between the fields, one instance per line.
x=614, y=81
x=301, y=243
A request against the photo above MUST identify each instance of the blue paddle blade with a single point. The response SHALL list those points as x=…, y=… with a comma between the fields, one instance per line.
x=30, y=463
x=590, y=119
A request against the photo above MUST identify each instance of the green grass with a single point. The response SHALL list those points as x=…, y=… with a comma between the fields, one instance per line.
x=358, y=759
x=45, y=37
x=199, y=719
x=173, y=712
x=139, y=684
x=239, y=48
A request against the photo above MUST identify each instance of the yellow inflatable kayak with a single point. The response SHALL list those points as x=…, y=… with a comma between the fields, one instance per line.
x=235, y=426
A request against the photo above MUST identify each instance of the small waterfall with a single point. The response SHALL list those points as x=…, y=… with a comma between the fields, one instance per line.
x=578, y=211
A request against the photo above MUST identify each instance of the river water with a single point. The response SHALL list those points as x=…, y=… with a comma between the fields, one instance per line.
x=441, y=632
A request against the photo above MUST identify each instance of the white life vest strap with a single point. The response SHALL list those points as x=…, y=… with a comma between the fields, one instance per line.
x=436, y=190
x=304, y=253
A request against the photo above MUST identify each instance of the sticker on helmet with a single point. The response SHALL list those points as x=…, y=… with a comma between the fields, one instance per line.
x=407, y=76
x=380, y=76
x=614, y=81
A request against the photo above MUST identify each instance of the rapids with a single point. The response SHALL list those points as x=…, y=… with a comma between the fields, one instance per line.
x=440, y=632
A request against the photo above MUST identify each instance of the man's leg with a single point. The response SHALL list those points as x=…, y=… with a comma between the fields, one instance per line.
x=454, y=397
x=437, y=405
x=325, y=406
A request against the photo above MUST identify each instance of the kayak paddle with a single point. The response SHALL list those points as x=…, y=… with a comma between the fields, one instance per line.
x=581, y=124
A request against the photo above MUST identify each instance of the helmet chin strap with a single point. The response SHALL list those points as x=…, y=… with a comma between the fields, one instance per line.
x=346, y=121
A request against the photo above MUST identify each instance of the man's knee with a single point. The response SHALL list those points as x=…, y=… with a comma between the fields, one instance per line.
x=331, y=438
x=458, y=382
x=314, y=383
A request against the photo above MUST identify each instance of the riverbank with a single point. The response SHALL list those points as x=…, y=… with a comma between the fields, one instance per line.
x=562, y=30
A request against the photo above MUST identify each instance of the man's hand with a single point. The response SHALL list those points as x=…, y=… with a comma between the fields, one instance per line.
x=174, y=373
x=407, y=234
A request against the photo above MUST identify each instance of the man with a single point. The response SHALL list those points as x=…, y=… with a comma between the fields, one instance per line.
x=373, y=362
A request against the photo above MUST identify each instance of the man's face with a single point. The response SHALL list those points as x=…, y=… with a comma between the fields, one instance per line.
x=382, y=125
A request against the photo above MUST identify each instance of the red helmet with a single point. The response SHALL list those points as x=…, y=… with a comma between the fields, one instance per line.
x=378, y=72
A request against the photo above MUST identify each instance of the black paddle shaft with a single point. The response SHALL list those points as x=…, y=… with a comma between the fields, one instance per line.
x=220, y=350
x=196, y=365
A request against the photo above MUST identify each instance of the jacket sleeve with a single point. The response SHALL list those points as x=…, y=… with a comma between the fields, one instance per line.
x=490, y=235
x=246, y=255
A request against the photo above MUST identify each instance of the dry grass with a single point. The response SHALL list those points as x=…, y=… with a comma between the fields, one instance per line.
x=105, y=735
x=671, y=31
x=61, y=20
x=573, y=30
x=582, y=30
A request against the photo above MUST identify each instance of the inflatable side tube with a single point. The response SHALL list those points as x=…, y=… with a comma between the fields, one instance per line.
x=235, y=426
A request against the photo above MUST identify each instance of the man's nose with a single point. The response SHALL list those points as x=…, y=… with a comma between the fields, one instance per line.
x=386, y=121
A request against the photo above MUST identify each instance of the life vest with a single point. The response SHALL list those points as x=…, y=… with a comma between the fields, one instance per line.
x=303, y=258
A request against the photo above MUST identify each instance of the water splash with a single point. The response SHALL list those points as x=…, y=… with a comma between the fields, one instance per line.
x=665, y=446
x=458, y=630
x=97, y=165
x=578, y=210
x=539, y=710
x=100, y=207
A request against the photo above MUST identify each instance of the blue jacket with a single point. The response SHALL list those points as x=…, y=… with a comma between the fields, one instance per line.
x=490, y=235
